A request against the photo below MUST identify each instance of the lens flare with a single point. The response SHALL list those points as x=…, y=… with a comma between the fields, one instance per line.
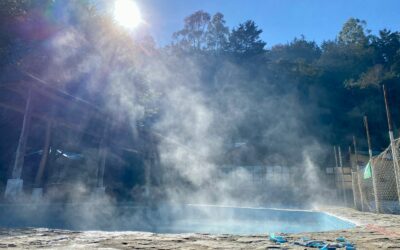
x=127, y=14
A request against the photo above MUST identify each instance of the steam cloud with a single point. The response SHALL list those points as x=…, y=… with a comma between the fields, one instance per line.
x=201, y=109
x=198, y=127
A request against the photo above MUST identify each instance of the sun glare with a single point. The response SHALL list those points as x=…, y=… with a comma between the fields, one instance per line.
x=127, y=14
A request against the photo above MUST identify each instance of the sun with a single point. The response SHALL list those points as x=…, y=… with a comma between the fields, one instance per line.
x=127, y=14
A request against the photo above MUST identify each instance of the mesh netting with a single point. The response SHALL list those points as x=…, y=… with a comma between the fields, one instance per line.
x=382, y=175
x=368, y=193
x=356, y=190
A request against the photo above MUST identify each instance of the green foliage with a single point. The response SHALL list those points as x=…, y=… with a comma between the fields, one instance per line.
x=298, y=50
x=387, y=46
x=203, y=33
x=194, y=32
x=217, y=33
x=13, y=8
x=245, y=39
x=353, y=33
x=10, y=45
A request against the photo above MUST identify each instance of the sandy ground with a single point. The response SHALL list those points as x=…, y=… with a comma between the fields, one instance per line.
x=373, y=232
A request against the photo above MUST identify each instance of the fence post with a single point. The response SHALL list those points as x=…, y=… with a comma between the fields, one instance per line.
x=374, y=185
x=392, y=144
x=353, y=184
x=14, y=187
x=336, y=160
x=342, y=173
x=335, y=171
x=102, y=155
x=37, y=192
x=358, y=171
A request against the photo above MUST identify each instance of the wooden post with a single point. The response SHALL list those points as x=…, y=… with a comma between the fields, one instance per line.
x=336, y=159
x=15, y=184
x=392, y=144
x=342, y=172
x=149, y=160
x=336, y=172
x=359, y=179
x=253, y=170
x=374, y=184
x=45, y=155
x=102, y=157
x=353, y=185
x=23, y=138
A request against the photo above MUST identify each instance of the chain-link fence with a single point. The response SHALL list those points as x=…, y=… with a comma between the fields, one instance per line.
x=356, y=191
x=375, y=186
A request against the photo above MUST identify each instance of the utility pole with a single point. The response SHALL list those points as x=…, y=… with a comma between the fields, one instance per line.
x=392, y=144
x=374, y=184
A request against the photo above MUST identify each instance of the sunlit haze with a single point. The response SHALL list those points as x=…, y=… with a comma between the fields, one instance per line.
x=127, y=14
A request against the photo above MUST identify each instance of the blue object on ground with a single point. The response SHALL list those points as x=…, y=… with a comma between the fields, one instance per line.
x=341, y=243
x=277, y=238
x=341, y=239
x=315, y=244
x=328, y=247
x=349, y=246
x=306, y=242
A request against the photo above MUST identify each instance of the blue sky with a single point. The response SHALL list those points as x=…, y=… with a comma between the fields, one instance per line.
x=281, y=20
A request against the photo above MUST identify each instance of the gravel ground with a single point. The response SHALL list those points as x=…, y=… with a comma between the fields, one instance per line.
x=373, y=231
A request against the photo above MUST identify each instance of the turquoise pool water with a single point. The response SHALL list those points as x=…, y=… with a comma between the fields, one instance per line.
x=170, y=219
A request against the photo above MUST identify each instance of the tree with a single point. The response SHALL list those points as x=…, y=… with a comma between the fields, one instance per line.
x=387, y=45
x=217, y=33
x=385, y=51
x=295, y=60
x=193, y=34
x=353, y=33
x=22, y=29
x=298, y=50
x=245, y=39
x=11, y=47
